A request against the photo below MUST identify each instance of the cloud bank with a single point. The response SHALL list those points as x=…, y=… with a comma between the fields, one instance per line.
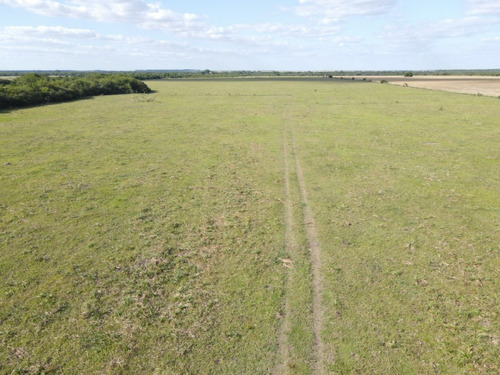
x=141, y=13
x=300, y=34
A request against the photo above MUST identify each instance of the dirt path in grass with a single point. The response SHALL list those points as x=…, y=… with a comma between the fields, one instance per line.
x=290, y=248
x=291, y=164
x=315, y=253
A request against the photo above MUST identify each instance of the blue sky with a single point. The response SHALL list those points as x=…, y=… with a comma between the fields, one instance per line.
x=250, y=35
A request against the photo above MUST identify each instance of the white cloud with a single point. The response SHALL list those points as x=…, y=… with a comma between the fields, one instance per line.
x=139, y=12
x=483, y=7
x=342, y=40
x=467, y=27
x=448, y=43
x=455, y=28
x=495, y=39
x=311, y=34
x=149, y=15
x=30, y=37
x=336, y=10
x=47, y=31
x=55, y=43
x=294, y=30
x=61, y=48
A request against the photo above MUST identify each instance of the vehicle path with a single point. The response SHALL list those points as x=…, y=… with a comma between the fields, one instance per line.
x=291, y=164
x=290, y=248
x=315, y=253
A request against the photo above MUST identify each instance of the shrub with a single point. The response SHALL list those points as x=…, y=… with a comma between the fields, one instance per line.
x=33, y=89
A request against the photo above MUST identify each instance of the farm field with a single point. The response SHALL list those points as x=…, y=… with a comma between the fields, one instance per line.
x=252, y=227
x=483, y=85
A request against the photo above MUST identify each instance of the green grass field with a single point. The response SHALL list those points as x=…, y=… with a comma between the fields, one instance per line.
x=165, y=234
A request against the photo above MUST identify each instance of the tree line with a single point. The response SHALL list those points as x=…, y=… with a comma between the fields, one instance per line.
x=159, y=74
x=34, y=88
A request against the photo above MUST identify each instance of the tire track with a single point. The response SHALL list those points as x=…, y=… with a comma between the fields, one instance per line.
x=290, y=248
x=295, y=228
x=315, y=254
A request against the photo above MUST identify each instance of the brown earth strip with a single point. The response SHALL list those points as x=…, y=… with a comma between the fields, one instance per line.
x=290, y=247
x=315, y=253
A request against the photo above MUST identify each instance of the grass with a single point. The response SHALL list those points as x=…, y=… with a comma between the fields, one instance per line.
x=406, y=199
x=141, y=236
x=147, y=235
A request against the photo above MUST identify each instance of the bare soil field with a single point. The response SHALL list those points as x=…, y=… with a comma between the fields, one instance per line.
x=464, y=84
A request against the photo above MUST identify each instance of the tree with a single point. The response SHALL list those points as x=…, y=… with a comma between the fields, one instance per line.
x=33, y=89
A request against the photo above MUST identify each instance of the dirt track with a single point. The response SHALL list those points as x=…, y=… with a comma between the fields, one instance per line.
x=316, y=265
x=464, y=84
x=291, y=166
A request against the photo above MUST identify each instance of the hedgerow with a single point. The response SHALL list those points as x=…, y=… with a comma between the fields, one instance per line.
x=35, y=89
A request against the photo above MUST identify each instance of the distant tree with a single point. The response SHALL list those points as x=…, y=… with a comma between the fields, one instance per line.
x=409, y=74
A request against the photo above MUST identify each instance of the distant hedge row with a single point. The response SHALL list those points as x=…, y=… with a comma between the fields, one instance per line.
x=34, y=89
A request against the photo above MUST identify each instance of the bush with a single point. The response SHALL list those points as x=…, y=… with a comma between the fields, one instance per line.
x=409, y=74
x=33, y=89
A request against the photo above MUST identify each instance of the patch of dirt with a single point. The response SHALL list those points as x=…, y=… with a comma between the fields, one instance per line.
x=484, y=85
x=291, y=160
x=290, y=247
x=316, y=264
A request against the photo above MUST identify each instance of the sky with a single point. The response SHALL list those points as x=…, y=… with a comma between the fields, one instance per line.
x=304, y=35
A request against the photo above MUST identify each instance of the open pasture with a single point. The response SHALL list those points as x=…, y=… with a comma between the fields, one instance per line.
x=252, y=227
